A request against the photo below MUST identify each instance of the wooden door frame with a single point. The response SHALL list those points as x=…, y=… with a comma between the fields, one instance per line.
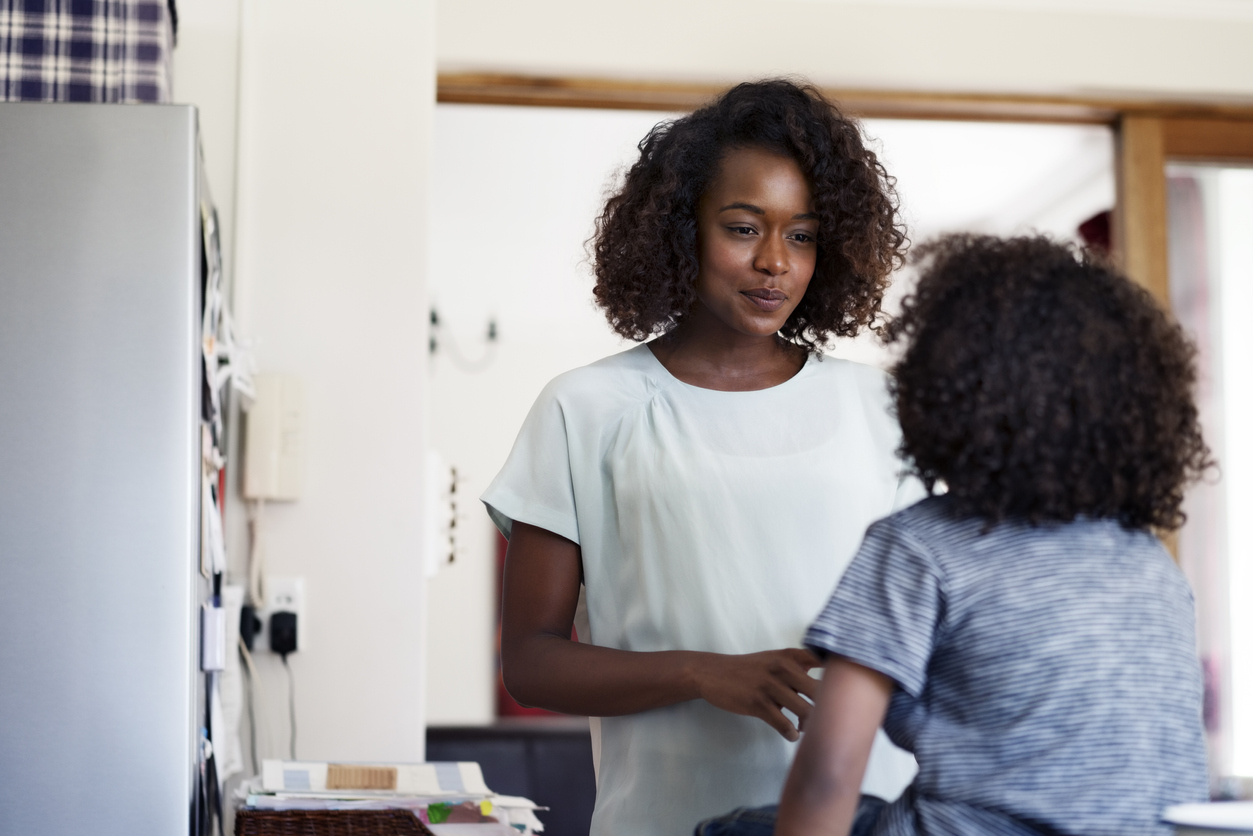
x=1146, y=142
x=1148, y=132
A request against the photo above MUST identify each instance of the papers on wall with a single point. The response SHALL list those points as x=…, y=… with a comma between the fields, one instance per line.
x=226, y=359
x=212, y=541
x=230, y=692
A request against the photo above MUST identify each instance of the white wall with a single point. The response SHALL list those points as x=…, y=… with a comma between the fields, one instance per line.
x=1181, y=47
x=331, y=186
x=514, y=199
x=206, y=74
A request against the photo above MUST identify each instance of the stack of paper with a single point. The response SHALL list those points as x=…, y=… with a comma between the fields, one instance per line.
x=450, y=798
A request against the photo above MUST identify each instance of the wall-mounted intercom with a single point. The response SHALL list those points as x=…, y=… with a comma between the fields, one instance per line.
x=274, y=439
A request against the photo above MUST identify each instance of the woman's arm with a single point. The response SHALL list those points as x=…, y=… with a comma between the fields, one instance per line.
x=543, y=667
x=824, y=786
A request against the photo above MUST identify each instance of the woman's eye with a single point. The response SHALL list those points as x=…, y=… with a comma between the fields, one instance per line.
x=742, y=230
x=803, y=237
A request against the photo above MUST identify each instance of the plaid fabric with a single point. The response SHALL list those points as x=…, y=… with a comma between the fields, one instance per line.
x=85, y=50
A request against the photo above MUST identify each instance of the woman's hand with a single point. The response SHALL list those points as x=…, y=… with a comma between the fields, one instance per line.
x=543, y=667
x=760, y=685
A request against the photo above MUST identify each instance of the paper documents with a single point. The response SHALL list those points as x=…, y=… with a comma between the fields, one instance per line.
x=437, y=793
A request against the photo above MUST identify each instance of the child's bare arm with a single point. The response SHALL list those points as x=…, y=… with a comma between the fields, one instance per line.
x=824, y=786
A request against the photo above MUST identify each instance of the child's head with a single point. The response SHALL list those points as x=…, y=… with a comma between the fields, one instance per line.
x=1037, y=382
x=646, y=245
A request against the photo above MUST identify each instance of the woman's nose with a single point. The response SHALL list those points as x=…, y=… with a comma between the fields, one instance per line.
x=771, y=256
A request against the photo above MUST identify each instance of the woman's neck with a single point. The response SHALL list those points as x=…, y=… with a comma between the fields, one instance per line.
x=702, y=351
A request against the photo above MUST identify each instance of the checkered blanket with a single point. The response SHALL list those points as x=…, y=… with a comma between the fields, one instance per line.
x=85, y=50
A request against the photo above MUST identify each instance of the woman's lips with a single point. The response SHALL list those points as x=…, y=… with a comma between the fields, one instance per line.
x=765, y=298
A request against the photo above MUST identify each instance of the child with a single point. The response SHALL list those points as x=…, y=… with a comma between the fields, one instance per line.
x=1024, y=634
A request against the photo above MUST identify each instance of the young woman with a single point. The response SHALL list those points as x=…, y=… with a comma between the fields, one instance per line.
x=688, y=504
x=1025, y=634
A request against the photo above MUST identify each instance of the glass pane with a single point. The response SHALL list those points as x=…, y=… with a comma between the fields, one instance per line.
x=1211, y=278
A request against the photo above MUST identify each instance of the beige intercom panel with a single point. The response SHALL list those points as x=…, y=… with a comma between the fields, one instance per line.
x=274, y=439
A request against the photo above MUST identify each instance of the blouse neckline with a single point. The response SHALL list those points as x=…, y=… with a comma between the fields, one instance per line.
x=666, y=373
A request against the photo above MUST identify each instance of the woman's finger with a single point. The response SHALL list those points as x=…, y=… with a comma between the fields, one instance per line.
x=805, y=658
x=800, y=681
x=785, y=697
x=775, y=718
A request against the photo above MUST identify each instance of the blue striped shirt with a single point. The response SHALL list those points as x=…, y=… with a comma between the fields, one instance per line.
x=1047, y=676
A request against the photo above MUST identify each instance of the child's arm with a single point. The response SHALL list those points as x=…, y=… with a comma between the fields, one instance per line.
x=824, y=786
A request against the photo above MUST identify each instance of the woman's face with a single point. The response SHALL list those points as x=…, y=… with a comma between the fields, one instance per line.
x=757, y=240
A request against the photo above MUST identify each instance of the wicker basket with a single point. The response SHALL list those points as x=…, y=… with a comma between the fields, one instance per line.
x=328, y=823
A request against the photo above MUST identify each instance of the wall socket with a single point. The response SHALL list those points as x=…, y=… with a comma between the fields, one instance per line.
x=284, y=594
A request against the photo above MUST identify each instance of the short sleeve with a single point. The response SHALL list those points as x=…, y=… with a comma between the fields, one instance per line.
x=885, y=611
x=536, y=485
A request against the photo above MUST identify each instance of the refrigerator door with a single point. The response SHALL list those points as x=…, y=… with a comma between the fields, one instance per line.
x=99, y=468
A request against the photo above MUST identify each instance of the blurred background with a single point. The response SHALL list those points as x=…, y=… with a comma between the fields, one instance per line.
x=404, y=191
x=999, y=116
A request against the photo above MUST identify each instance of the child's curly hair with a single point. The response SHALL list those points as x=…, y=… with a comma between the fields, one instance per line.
x=1040, y=383
x=644, y=249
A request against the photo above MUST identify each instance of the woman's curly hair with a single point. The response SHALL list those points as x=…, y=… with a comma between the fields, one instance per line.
x=644, y=250
x=1037, y=382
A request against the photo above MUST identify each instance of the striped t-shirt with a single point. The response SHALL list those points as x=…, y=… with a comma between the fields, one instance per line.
x=1047, y=676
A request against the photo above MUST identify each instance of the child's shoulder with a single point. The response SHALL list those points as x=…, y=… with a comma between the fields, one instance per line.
x=930, y=518
x=1082, y=546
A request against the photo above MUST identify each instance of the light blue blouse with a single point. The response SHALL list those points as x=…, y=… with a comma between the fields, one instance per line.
x=711, y=521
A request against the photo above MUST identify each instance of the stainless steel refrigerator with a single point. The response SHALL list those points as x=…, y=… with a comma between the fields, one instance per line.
x=101, y=696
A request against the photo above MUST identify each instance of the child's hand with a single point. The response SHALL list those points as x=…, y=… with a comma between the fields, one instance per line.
x=760, y=685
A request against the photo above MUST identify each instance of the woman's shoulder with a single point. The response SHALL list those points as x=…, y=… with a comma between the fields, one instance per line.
x=863, y=375
x=856, y=386
x=607, y=371
x=618, y=379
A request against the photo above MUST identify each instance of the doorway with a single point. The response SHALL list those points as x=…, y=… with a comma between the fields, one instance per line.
x=516, y=190
x=1210, y=239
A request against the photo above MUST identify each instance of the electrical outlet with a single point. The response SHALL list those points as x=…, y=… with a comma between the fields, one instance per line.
x=284, y=595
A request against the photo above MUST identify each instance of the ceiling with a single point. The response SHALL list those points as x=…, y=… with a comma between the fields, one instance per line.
x=1197, y=9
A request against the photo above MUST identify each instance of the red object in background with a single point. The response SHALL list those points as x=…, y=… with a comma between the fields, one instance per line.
x=222, y=496
x=507, y=706
x=1095, y=232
